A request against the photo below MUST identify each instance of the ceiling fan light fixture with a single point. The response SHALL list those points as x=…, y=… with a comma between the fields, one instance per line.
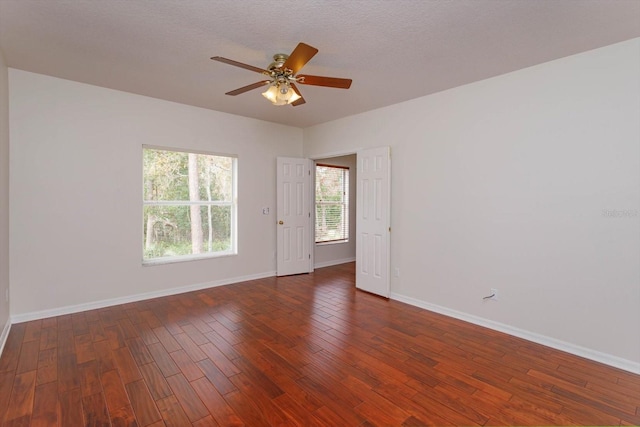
x=280, y=94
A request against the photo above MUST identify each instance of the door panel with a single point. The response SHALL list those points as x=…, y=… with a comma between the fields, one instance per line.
x=294, y=216
x=373, y=221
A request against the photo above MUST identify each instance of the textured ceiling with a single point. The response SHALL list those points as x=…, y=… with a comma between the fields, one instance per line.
x=393, y=50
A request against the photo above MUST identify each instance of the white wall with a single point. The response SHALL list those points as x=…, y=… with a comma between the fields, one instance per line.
x=76, y=191
x=337, y=253
x=4, y=198
x=503, y=183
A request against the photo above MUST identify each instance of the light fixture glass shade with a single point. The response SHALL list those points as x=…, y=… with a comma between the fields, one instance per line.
x=271, y=93
x=280, y=94
x=293, y=97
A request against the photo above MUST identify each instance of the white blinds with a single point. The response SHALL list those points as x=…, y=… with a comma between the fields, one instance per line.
x=332, y=203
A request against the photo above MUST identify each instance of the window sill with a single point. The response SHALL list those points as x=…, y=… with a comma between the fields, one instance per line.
x=333, y=242
x=185, y=258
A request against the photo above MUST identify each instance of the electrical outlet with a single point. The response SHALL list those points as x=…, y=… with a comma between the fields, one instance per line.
x=265, y=211
x=494, y=292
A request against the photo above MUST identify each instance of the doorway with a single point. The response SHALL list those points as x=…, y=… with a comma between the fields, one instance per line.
x=296, y=234
x=343, y=250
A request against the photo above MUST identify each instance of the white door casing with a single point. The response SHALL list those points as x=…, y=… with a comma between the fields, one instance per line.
x=293, y=216
x=373, y=210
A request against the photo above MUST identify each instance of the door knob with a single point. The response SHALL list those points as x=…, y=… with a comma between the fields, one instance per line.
x=280, y=222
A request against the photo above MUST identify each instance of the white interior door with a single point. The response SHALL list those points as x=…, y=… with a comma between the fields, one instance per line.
x=373, y=210
x=294, y=216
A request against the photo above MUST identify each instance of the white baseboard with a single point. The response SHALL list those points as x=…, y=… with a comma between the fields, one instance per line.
x=607, y=359
x=333, y=262
x=70, y=309
x=5, y=335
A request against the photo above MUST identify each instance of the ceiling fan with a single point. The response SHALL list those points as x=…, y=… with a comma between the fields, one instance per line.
x=282, y=76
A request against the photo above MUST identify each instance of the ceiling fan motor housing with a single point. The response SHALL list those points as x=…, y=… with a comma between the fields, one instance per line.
x=278, y=60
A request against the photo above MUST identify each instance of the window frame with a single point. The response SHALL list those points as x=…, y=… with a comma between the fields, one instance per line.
x=233, y=204
x=345, y=204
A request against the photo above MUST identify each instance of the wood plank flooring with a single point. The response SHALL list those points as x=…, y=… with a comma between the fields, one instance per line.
x=305, y=350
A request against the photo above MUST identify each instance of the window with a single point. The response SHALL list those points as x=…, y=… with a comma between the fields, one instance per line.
x=189, y=206
x=332, y=203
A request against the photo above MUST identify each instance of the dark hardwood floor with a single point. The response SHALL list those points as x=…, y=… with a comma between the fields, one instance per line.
x=305, y=350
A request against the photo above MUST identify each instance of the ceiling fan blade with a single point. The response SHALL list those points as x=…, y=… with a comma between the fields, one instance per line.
x=324, y=81
x=248, y=88
x=240, y=64
x=297, y=101
x=300, y=56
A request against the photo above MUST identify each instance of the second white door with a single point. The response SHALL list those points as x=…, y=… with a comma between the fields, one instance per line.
x=373, y=222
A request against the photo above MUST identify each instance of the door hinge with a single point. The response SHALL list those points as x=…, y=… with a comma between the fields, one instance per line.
x=309, y=256
x=309, y=214
x=389, y=229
